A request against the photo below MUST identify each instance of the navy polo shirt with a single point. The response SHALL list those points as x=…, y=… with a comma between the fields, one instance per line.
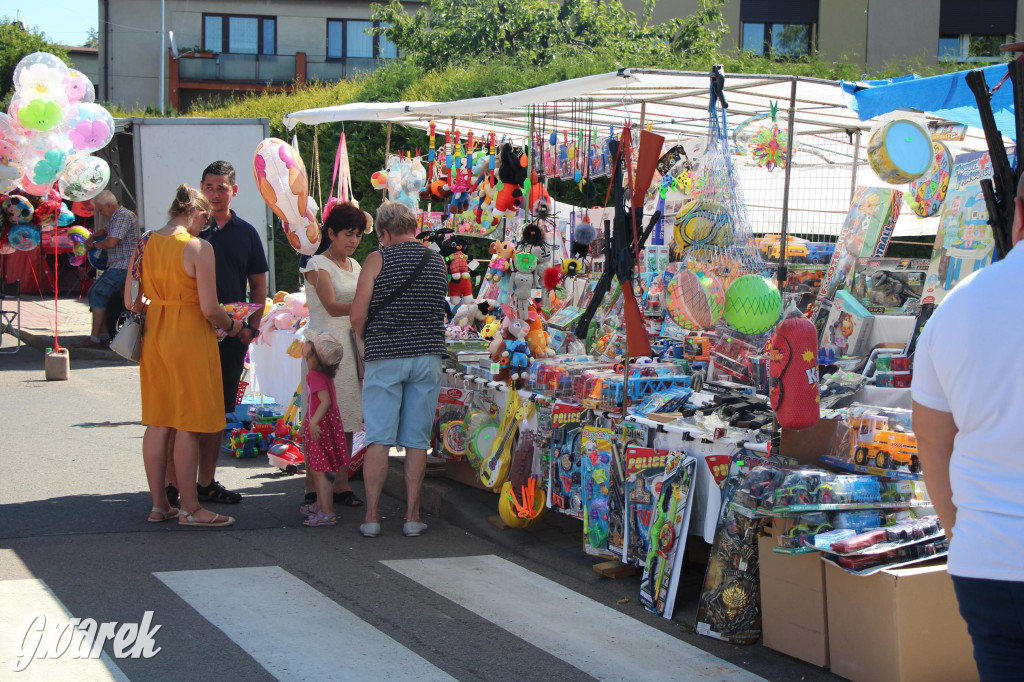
x=238, y=253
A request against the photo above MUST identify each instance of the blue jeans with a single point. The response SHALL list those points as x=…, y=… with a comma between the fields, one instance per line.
x=994, y=611
x=110, y=282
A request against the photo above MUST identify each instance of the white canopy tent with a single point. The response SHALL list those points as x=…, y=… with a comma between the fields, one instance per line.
x=829, y=145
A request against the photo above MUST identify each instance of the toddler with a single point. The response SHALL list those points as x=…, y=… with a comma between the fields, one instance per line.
x=322, y=431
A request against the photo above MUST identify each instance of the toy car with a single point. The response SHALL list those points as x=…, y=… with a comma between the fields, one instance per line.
x=286, y=455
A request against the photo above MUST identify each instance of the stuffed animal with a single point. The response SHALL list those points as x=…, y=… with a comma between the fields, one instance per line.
x=501, y=260
x=537, y=338
x=583, y=237
x=460, y=288
x=436, y=192
x=512, y=173
x=517, y=351
x=541, y=203
x=460, y=188
x=490, y=328
x=485, y=201
x=524, y=281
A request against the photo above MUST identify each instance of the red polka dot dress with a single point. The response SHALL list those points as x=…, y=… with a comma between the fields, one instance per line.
x=330, y=453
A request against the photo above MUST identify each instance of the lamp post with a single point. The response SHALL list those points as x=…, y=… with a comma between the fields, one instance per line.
x=163, y=56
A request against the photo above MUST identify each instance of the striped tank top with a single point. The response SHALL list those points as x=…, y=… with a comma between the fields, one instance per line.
x=412, y=324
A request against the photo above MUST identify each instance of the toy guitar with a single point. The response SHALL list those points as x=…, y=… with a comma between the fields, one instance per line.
x=494, y=468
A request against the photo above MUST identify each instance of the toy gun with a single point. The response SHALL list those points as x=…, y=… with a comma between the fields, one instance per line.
x=490, y=161
x=1000, y=190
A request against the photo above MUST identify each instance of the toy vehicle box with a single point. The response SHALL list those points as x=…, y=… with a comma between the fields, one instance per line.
x=890, y=286
x=848, y=326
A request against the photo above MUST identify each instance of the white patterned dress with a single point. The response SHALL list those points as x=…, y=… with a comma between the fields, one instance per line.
x=346, y=383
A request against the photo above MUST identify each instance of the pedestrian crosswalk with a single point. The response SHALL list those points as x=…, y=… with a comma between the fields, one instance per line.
x=296, y=632
x=600, y=641
x=29, y=597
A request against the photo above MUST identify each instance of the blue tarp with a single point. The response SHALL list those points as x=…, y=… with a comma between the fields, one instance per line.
x=946, y=96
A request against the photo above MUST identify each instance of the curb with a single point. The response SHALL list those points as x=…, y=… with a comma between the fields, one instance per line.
x=41, y=342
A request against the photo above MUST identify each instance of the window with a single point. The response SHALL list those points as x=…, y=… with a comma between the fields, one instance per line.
x=778, y=29
x=350, y=38
x=239, y=34
x=973, y=32
x=778, y=40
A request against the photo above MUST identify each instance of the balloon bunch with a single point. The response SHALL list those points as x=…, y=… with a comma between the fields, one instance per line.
x=24, y=218
x=51, y=126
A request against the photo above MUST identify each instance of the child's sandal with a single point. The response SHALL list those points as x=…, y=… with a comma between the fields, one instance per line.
x=321, y=519
x=309, y=509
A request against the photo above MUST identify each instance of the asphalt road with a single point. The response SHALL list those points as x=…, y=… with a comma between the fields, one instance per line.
x=269, y=599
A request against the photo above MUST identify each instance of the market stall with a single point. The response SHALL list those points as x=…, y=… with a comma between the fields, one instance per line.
x=719, y=354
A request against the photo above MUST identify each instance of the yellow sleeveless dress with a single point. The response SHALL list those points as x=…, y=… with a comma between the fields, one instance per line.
x=180, y=367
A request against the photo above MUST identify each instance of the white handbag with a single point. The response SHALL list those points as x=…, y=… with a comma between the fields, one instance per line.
x=128, y=341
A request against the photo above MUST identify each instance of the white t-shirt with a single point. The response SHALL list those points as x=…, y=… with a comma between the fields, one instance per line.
x=970, y=362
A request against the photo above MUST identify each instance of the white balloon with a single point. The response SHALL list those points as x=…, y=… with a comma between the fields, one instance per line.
x=83, y=178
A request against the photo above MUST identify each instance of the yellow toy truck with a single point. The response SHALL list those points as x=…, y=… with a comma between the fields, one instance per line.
x=875, y=443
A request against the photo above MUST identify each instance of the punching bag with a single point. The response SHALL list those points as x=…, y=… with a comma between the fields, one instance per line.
x=793, y=368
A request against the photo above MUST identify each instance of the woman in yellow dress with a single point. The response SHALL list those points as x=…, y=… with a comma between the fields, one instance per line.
x=179, y=368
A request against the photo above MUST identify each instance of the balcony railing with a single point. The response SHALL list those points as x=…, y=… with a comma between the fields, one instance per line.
x=244, y=68
x=275, y=69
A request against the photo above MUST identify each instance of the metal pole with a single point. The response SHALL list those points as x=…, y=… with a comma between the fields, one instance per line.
x=163, y=55
x=780, y=274
x=856, y=163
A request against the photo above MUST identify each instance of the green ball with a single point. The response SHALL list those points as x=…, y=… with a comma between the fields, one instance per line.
x=753, y=304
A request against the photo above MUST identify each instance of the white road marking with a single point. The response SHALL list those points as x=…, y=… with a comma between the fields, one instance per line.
x=598, y=640
x=294, y=631
x=21, y=598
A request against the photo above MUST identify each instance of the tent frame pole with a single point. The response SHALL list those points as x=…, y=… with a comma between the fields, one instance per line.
x=780, y=273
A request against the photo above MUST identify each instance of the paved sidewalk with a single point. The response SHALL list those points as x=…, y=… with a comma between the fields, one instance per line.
x=37, y=323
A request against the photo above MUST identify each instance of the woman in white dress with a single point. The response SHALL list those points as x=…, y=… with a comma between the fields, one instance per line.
x=330, y=286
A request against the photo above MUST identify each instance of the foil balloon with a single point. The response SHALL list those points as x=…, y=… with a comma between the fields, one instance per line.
x=90, y=127
x=24, y=237
x=83, y=178
x=78, y=234
x=282, y=182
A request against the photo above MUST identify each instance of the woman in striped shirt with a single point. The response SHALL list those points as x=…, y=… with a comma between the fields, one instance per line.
x=398, y=314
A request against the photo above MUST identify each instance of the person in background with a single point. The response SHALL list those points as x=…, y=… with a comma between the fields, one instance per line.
x=331, y=279
x=119, y=240
x=398, y=314
x=968, y=383
x=241, y=264
x=179, y=365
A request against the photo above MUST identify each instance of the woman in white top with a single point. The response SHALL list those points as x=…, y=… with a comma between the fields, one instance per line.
x=330, y=286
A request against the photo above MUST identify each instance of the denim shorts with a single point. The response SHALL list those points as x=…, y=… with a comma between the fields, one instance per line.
x=400, y=399
x=110, y=282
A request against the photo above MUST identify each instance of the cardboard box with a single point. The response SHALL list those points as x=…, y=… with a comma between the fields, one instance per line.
x=848, y=327
x=794, y=613
x=896, y=625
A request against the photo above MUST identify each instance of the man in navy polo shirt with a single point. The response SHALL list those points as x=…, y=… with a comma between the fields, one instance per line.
x=241, y=262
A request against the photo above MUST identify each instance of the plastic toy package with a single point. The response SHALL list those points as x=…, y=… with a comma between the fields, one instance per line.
x=890, y=286
x=877, y=441
x=452, y=407
x=819, y=490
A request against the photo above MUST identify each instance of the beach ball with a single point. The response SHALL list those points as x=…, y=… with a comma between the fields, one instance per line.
x=83, y=178
x=928, y=192
x=753, y=304
x=900, y=151
x=691, y=304
x=702, y=222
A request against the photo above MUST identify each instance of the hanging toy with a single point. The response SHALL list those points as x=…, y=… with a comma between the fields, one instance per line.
x=524, y=282
x=541, y=204
x=512, y=173
x=460, y=288
x=502, y=254
x=379, y=180
x=582, y=239
x=768, y=145
x=793, y=368
x=78, y=234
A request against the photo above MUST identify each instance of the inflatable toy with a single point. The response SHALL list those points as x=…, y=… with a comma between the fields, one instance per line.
x=752, y=304
x=900, y=150
x=281, y=179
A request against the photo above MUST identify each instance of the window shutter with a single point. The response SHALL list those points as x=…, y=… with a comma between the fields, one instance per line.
x=781, y=11
x=991, y=17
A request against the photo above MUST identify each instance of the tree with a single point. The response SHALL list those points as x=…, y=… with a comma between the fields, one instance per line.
x=444, y=33
x=93, y=39
x=15, y=43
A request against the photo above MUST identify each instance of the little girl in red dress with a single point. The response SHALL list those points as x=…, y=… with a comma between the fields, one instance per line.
x=322, y=431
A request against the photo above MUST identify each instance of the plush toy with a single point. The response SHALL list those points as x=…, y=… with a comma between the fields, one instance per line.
x=537, y=338
x=541, y=203
x=524, y=281
x=436, y=192
x=472, y=313
x=517, y=351
x=512, y=173
x=453, y=247
x=491, y=327
x=583, y=237
x=501, y=260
